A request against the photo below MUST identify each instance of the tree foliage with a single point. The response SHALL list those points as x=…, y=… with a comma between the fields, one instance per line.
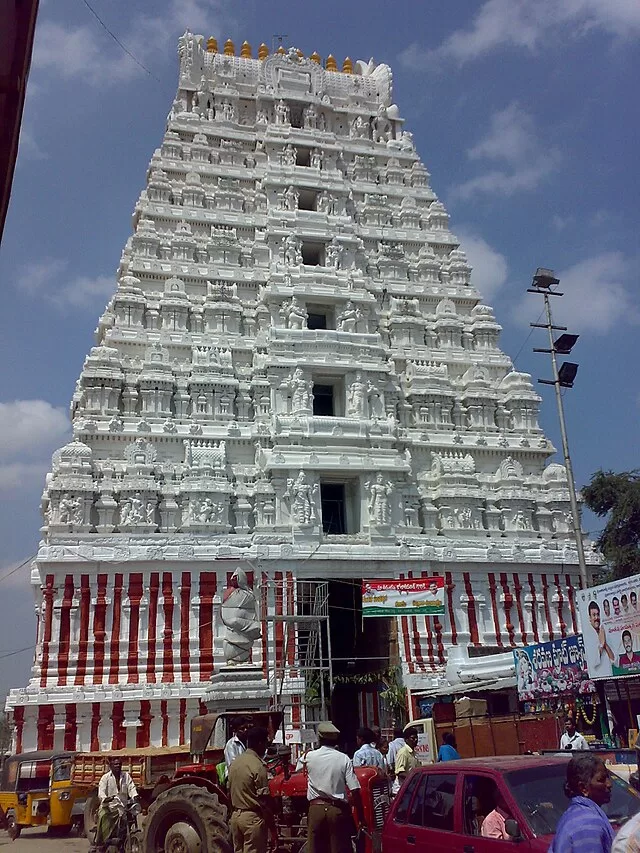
x=618, y=497
x=5, y=734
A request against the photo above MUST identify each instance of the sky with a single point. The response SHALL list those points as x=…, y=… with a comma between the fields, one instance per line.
x=524, y=111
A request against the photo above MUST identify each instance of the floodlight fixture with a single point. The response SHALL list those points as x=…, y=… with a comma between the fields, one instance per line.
x=567, y=374
x=565, y=344
x=544, y=279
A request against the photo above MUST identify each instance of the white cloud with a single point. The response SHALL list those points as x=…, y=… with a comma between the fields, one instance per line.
x=17, y=573
x=30, y=430
x=490, y=267
x=597, y=296
x=26, y=425
x=87, y=53
x=512, y=141
x=29, y=147
x=527, y=24
x=48, y=278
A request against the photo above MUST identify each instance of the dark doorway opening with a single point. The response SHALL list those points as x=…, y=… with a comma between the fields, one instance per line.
x=334, y=516
x=323, y=401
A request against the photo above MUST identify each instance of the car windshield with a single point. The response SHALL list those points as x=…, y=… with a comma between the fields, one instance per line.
x=539, y=792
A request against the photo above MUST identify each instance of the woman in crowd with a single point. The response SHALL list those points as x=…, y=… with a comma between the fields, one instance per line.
x=584, y=827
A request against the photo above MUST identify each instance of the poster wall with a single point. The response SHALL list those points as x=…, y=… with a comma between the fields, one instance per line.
x=408, y=597
x=610, y=621
x=552, y=669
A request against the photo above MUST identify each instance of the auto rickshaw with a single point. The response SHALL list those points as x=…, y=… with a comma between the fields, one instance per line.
x=36, y=790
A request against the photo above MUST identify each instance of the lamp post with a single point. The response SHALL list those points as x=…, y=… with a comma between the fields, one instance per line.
x=543, y=281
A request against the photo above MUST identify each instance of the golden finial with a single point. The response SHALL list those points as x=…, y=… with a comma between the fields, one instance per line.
x=212, y=45
x=245, y=50
x=315, y=57
x=281, y=50
x=331, y=64
x=263, y=51
x=347, y=66
x=300, y=53
x=229, y=48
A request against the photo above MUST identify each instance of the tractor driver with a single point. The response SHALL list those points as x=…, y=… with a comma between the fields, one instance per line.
x=329, y=774
x=115, y=783
x=237, y=743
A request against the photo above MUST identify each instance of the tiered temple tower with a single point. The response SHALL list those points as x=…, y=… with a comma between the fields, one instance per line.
x=295, y=376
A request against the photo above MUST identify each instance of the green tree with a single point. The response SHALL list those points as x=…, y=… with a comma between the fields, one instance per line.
x=5, y=734
x=618, y=497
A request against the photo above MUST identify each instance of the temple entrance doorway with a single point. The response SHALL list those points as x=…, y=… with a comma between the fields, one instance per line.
x=360, y=652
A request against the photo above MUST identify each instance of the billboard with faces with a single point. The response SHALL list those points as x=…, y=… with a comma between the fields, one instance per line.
x=610, y=621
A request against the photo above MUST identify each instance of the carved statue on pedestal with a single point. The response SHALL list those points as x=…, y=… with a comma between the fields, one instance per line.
x=379, y=500
x=358, y=402
x=303, y=498
x=300, y=397
x=292, y=250
x=239, y=617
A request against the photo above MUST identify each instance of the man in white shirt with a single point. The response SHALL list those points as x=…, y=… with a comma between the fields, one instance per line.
x=596, y=646
x=330, y=775
x=115, y=784
x=396, y=744
x=236, y=744
x=367, y=754
x=572, y=739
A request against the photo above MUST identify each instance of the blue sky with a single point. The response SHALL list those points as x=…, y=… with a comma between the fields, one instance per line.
x=524, y=111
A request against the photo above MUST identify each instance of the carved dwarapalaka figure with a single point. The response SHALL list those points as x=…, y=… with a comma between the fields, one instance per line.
x=379, y=503
x=295, y=314
x=346, y=320
x=239, y=617
x=302, y=495
x=292, y=251
x=291, y=197
x=300, y=400
x=358, y=397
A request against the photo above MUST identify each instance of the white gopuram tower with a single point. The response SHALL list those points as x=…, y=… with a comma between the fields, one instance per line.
x=295, y=377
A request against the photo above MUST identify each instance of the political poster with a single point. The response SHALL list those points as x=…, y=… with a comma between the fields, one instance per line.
x=408, y=597
x=556, y=668
x=610, y=621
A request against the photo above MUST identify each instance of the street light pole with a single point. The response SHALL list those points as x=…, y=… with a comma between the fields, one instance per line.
x=575, y=509
x=541, y=284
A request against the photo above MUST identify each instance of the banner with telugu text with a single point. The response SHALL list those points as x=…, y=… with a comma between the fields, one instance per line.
x=408, y=597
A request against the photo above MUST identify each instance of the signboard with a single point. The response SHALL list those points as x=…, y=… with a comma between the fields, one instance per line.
x=610, y=620
x=409, y=597
x=552, y=669
x=426, y=751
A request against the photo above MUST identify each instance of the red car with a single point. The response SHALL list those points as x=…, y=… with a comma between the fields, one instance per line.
x=440, y=807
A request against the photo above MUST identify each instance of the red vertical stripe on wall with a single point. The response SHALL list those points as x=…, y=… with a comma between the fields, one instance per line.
x=83, y=640
x=208, y=588
x=265, y=626
x=99, y=629
x=135, y=594
x=95, y=727
x=449, y=588
x=70, y=728
x=518, y=591
x=119, y=740
x=279, y=626
x=64, y=640
x=471, y=610
x=534, y=609
x=143, y=735
x=183, y=721
x=18, y=722
x=571, y=595
x=545, y=599
x=114, y=669
x=494, y=607
x=508, y=607
x=167, y=637
x=152, y=633
x=47, y=595
x=185, y=603
x=165, y=723
x=45, y=727
x=563, y=626
x=291, y=639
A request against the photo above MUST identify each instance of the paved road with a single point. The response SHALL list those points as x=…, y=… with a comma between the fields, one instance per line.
x=37, y=841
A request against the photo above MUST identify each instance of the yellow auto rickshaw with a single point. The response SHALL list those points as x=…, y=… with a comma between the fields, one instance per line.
x=36, y=790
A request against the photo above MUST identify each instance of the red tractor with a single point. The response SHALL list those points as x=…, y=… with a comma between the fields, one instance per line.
x=190, y=812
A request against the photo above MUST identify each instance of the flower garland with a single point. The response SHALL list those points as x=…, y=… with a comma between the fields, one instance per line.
x=581, y=709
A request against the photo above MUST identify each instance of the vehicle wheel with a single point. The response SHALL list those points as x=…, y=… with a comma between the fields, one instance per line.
x=91, y=814
x=13, y=827
x=187, y=819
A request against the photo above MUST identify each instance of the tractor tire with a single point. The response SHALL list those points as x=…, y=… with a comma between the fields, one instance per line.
x=13, y=827
x=91, y=815
x=187, y=819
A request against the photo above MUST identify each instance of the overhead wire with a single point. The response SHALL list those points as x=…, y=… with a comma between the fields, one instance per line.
x=118, y=42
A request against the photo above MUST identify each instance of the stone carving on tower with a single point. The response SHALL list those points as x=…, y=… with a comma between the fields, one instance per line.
x=294, y=355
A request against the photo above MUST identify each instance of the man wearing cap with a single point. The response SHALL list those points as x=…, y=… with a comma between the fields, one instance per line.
x=252, y=816
x=329, y=774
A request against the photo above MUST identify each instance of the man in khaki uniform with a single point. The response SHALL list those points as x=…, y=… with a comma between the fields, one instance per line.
x=252, y=817
x=330, y=775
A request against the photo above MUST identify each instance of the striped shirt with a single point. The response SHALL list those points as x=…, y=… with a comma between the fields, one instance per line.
x=583, y=828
